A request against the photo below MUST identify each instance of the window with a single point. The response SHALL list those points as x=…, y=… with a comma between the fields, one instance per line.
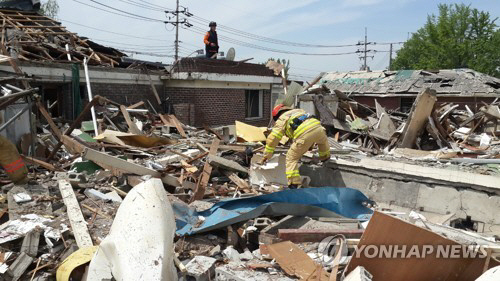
x=406, y=104
x=253, y=104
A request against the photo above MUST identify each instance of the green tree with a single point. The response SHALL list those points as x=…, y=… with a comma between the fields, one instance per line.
x=284, y=62
x=50, y=8
x=459, y=37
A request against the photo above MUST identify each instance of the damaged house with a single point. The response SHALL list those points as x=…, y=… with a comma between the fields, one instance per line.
x=51, y=57
x=398, y=89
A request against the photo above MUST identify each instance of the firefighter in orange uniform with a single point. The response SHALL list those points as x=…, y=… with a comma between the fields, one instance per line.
x=211, y=41
x=11, y=161
x=304, y=130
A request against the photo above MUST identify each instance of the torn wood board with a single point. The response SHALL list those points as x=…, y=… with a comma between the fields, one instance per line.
x=205, y=175
x=295, y=262
x=136, y=105
x=385, y=128
x=380, y=110
x=172, y=121
x=418, y=117
x=242, y=184
x=131, y=125
x=40, y=163
x=249, y=133
x=153, y=88
x=73, y=146
x=226, y=164
x=47, y=117
x=78, y=223
x=16, y=210
x=380, y=231
x=492, y=111
x=188, y=167
x=109, y=161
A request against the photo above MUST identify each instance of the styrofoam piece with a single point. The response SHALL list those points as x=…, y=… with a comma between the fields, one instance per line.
x=140, y=243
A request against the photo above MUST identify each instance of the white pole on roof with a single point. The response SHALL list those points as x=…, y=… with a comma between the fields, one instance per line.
x=89, y=92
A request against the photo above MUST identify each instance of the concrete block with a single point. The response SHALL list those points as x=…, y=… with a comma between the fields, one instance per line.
x=201, y=268
x=261, y=223
x=231, y=254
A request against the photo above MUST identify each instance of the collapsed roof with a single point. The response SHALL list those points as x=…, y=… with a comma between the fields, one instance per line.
x=30, y=36
x=465, y=82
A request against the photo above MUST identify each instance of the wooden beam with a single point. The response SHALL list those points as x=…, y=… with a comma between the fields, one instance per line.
x=109, y=161
x=131, y=125
x=316, y=235
x=136, y=105
x=47, y=117
x=205, y=175
x=418, y=117
x=40, y=163
x=168, y=120
x=76, y=219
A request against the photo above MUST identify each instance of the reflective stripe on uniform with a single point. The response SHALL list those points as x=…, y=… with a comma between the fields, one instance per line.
x=308, y=124
x=277, y=134
x=289, y=132
x=269, y=149
x=324, y=153
x=291, y=174
x=14, y=166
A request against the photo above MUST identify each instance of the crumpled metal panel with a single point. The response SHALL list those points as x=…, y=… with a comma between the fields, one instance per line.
x=313, y=202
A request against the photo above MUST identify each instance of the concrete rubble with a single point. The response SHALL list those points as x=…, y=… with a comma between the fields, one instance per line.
x=108, y=198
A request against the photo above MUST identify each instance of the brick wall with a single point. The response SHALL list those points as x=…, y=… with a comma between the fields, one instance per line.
x=214, y=107
x=128, y=94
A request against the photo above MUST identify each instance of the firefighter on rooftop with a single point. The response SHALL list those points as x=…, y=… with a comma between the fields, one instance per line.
x=211, y=42
x=304, y=130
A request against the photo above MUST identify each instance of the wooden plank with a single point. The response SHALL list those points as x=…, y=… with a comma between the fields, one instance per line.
x=105, y=160
x=153, y=88
x=136, y=105
x=169, y=120
x=76, y=219
x=226, y=164
x=73, y=146
x=241, y=183
x=205, y=175
x=40, y=163
x=19, y=266
x=131, y=125
x=417, y=119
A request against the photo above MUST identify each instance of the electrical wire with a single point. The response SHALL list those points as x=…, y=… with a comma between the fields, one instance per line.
x=249, y=45
x=125, y=12
x=116, y=33
x=111, y=12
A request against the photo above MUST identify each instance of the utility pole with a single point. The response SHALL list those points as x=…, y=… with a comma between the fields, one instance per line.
x=177, y=31
x=365, y=51
x=176, y=23
x=390, y=57
x=366, y=42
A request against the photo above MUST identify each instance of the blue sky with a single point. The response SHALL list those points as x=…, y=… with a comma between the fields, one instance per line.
x=313, y=22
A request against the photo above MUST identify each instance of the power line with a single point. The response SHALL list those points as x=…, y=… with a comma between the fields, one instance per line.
x=128, y=44
x=125, y=12
x=111, y=12
x=116, y=33
x=271, y=40
x=249, y=45
x=140, y=5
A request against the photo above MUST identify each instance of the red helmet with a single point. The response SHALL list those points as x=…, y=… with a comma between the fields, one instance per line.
x=278, y=108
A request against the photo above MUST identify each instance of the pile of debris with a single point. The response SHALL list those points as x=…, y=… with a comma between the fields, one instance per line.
x=428, y=131
x=106, y=194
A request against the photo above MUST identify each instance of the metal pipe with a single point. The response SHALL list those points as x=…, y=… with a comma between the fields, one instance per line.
x=89, y=92
x=18, y=95
x=14, y=117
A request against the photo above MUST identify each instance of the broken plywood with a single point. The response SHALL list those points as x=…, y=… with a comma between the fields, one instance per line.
x=417, y=119
x=296, y=262
x=78, y=223
x=380, y=231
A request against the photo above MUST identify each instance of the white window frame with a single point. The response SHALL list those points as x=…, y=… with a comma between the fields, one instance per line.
x=261, y=105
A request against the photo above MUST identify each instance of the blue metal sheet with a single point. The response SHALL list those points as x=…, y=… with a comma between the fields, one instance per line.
x=313, y=202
